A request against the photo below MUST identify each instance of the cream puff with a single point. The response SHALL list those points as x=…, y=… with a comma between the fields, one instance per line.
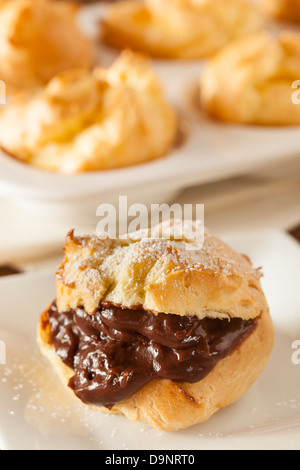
x=179, y=29
x=38, y=39
x=155, y=331
x=92, y=120
x=251, y=81
x=288, y=10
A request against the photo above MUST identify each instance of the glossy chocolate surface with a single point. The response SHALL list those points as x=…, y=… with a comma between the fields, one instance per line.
x=117, y=351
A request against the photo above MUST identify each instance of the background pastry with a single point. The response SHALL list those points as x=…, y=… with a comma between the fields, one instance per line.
x=39, y=38
x=251, y=80
x=283, y=9
x=183, y=333
x=97, y=120
x=179, y=28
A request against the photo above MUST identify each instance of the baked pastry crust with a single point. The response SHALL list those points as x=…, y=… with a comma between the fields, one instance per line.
x=214, y=281
x=179, y=28
x=39, y=38
x=283, y=9
x=92, y=120
x=160, y=275
x=171, y=406
x=261, y=69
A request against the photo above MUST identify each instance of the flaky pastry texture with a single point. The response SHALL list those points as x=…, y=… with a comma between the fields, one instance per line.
x=92, y=120
x=38, y=39
x=183, y=29
x=160, y=275
x=288, y=10
x=251, y=81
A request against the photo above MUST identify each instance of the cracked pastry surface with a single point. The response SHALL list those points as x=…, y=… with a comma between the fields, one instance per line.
x=85, y=121
x=179, y=28
x=288, y=10
x=39, y=38
x=161, y=275
x=262, y=70
x=122, y=291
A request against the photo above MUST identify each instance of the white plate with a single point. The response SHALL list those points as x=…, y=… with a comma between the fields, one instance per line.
x=236, y=205
x=212, y=151
x=36, y=412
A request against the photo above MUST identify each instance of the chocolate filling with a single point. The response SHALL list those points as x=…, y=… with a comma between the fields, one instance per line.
x=117, y=351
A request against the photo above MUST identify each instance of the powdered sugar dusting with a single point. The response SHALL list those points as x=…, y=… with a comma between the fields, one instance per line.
x=122, y=270
x=34, y=393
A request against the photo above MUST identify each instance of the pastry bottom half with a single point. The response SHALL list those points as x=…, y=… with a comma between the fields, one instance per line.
x=170, y=406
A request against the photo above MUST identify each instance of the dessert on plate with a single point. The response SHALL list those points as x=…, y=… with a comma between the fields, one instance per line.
x=179, y=29
x=250, y=81
x=86, y=120
x=156, y=331
x=38, y=39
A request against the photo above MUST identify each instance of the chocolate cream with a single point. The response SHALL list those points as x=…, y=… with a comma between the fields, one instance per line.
x=117, y=351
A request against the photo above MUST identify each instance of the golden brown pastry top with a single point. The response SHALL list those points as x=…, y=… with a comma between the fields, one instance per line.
x=179, y=28
x=39, y=38
x=250, y=81
x=160, y=275
x=283, y=9
x=91, y=120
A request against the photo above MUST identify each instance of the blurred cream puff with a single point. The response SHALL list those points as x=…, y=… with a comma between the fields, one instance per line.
x=179, y=28
x=251, y=81
x=38, y=39
x=91, y=120
x=288, y=10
